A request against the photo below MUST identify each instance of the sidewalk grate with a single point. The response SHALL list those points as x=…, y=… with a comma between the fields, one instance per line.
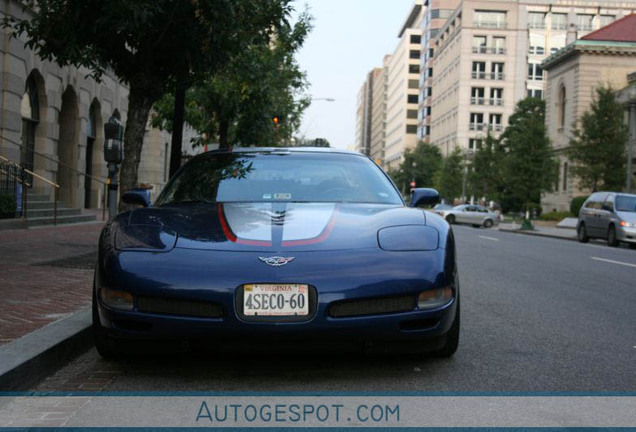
x=83, y=262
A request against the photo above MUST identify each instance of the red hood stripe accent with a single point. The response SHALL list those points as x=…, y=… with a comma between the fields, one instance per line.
x=230, y=235
x=321, y=238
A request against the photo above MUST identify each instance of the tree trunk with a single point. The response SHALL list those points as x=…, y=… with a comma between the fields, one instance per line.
x=177, y=126
x=139, y=104
x=224, y=126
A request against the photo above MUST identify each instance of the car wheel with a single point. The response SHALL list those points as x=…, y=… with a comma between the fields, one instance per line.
x=488, y=223
x=611, y=237
x=450, y=219
x=582, y=234
x=452, y=338
x=100, y=338
x=632, y=245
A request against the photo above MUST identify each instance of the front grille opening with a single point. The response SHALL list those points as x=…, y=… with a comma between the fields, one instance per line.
x=130, y=325
x=374, y=306
x=179, y=307
x=425, y=324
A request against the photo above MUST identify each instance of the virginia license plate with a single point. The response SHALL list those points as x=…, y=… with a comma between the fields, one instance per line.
x=275, y=300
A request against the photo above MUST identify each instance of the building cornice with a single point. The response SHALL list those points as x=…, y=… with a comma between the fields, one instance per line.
x=589, y=47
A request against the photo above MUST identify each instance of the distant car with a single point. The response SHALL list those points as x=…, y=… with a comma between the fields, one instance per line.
x=470, y=214
x=269, y=246
x=441, y=207
x=610, y=216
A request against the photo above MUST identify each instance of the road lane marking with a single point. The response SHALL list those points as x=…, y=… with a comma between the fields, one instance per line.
x=613, y=262
x=489, y=238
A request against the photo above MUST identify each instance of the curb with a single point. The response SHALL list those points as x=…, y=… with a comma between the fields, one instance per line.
x=27, y=360
x=537, y=234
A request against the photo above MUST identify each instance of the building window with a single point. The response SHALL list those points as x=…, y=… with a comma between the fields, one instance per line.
x=535, y=93
x=536, y=50
x=489, y=19
x=429, y=73
x=416, y=39
x=479, y=44
x=565, y=176
x=414, y=69
x=412, y=99
x=536, y=20
x=496, y=96
x=477, y=96
x=495, y=122
x=411, y=129
x=476, y=121
x=559, y=21
x=535, y=73
x=584, y=22
x=474, y=143
x=413, y=84
x=561, y=107
x=497, y=71
x=30, y=110
x=414, y=54
x=607, y=20
x=479, y=70
x=557, y=176
x=411, y=114
x=499, y=45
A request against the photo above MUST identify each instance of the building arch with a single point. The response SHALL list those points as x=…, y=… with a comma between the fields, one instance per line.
x=562, y=106
x=68, y=146
x=33, y=129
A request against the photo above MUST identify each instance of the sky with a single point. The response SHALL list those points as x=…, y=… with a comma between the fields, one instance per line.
x=350, y=37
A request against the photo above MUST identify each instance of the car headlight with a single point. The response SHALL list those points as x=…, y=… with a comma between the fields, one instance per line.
x=434, y=298
x=145, y=238
x=120, y=300
x=627, y=224
x=404, y=238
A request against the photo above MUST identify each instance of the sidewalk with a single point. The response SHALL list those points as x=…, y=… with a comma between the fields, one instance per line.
x=46, y=274
x=541, y=231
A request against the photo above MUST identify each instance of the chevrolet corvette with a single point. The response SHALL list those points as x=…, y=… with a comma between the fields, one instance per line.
x=279, y=246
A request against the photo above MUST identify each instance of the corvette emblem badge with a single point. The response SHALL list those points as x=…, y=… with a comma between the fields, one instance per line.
x=276, y=261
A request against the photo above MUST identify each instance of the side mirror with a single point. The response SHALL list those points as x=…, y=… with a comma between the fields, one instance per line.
x=423, y=196
x=136, y=197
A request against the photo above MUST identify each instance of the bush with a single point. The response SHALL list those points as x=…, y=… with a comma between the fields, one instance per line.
x=555, y=216
x=576, y=204
x=7, y=206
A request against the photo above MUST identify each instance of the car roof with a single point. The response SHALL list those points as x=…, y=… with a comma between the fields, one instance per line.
x=283, y=149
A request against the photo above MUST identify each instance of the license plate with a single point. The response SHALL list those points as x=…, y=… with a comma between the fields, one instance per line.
x=275, y=300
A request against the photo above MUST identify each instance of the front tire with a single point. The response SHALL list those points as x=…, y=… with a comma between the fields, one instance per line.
x=450, y=219
x=611, y=237
x=582, y=234
x=632, y=245
x=452, y=338
x=488, y=223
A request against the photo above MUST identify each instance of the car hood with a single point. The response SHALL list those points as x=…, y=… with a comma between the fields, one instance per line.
x=629, y=217
x=270, y=226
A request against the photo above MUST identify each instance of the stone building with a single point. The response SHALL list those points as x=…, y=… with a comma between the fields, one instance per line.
x=604, y=57
x=52, y=120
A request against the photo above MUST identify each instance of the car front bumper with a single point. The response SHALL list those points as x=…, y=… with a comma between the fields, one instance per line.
x=626, y=234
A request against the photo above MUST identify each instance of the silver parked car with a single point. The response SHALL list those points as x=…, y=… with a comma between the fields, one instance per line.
x=610, y=216
x=470, y=214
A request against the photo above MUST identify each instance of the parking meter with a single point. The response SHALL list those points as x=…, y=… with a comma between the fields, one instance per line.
x=113, y=154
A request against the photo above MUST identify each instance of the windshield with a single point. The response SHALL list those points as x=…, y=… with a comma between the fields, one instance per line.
x=273, y=177
x=626, y=203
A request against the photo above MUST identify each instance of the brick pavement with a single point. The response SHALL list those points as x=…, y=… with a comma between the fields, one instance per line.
x=37, y=282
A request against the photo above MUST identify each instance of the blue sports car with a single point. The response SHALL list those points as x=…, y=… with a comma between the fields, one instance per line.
x=279, y=246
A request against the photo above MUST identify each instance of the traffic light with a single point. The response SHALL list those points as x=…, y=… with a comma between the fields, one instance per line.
x=277, y=120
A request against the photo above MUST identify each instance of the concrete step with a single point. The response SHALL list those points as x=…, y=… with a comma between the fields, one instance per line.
x=41, y=205
x=49, y=212
x=63, y=220
x=37, y=197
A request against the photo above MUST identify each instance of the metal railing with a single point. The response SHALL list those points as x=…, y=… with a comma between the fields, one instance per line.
x=56, y=187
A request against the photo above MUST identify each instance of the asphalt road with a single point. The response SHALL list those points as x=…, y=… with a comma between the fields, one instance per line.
x=538, y=314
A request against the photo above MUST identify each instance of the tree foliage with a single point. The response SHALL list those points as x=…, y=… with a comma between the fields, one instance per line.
x=598, y=148
x=450, y=176
x=420, y=164
x=484, y=179
x=236, y=103
x=528, y=166
x=146, y=43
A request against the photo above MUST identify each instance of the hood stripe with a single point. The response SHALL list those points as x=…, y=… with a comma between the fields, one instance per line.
x=232, y=237
x=320, y=238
